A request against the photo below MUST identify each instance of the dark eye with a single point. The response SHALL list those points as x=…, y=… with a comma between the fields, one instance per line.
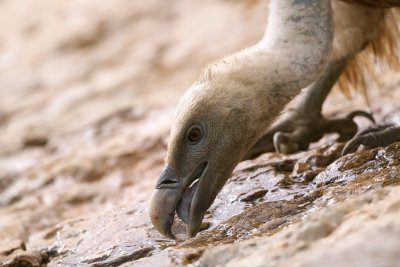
x=194, y=134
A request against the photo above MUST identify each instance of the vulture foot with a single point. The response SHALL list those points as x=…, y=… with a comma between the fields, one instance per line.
x=382, y=135
x=296, y=132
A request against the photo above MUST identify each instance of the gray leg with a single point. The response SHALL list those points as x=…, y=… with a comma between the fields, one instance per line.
x=305, y=123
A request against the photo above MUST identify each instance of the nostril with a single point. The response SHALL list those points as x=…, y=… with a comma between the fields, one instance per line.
x=168, y=179
x=166, y=183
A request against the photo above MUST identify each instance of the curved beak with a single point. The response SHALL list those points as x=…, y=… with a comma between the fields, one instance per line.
x=164, y=200
x=188, y=197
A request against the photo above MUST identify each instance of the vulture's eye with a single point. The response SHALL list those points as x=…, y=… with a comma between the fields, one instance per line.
x=194, y=134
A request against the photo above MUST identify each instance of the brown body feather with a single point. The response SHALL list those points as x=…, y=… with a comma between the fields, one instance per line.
x=377, y=3
x=380, y=55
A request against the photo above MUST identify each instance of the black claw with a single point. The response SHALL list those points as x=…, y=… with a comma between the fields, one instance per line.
x=297, y=132
x=346, y=127
x=286, y=143
x=378, y=136
x=279, y=139
x=360, y=113
x=352, y=145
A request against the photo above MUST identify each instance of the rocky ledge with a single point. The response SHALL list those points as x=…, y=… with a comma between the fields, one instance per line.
x=308, y=209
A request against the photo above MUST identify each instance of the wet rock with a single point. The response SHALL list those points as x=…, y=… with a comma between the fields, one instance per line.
x=352, y=232
x=272, y=224
x=251, y=196
x=285, y=165
x=22, y=258
x=35, y=141
x=119, y=233
x=309, y=176
x=375, y=165
x=301, y=167
x=8, y=247
x=127, y=236
x=13, y=253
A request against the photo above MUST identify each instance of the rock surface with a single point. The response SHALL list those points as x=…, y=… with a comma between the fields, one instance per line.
x=87, y=95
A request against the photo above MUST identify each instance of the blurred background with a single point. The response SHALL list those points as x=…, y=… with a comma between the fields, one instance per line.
x=87, y=94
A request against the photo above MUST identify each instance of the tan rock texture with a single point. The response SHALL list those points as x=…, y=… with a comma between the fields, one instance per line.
x=363, y=231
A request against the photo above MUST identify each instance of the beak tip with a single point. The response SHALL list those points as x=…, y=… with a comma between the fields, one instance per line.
x=162, y=211
x=163, y=227
x=169, y=234
x=192, y=233
x=192, y=229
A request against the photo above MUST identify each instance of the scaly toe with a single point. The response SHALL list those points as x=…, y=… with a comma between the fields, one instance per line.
x=378, y=136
